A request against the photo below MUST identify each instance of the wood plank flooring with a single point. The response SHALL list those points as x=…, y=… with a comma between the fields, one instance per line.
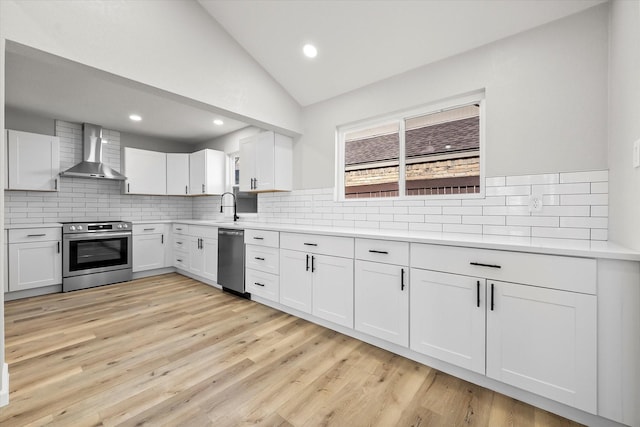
x=171, y=351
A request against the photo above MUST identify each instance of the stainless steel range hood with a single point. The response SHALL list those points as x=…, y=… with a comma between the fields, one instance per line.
x=92, y=166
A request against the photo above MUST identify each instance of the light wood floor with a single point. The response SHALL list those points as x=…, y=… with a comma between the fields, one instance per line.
x=168, y=350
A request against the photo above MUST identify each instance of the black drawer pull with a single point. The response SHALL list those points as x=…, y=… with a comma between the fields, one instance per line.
x=259, y=284
x=373, y=251
x=307, y=262
x=478, y=294
x=149, y=229
x=313, y=266
x=36, y=235
x=179, y=260
x=479, y=264
x=311, y=244
x=492, y=297
x=259, y=258
x=258, y=238
x=402, y=279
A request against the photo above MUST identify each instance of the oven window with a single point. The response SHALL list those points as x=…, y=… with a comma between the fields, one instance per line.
x=98, y=253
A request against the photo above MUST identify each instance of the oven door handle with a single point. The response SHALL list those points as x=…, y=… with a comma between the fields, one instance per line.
x=85, y=236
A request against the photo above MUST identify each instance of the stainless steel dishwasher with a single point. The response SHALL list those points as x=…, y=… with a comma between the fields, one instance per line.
x=231, y=260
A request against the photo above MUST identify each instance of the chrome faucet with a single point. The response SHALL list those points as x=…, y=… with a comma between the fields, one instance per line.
x=235, y=215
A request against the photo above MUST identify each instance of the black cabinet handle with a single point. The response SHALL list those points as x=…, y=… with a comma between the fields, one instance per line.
x=258, y=238
x=55, y=184
x=478, y=294
x=259, y=284
x=149, y=229
x=255, y=183
x=179, y=260
x=162, y=239
x=36, y=235
x=402, y=279
x=311, y=244
x=202, y=188
x=373, y=251
x=186, y=189
x=58, y=243
x=492, y=297
x=259, y=258
x=313, y=267
x=479, y=264
x=128, y=188
x=307, y=262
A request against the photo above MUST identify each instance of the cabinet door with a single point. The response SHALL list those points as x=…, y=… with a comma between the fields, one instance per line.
x=196, y=256
x=34, y=265
x=265, y=285
x=247, y=163
x=333, y=289
x=33, y=161
x=146, y=171
x=382, y=301
x=295, y=280
x=197, y=170
x=209, y=249
x=448, y=318
x=543, y=341
x=177, y=174
x=148, y=252
x=265, y=162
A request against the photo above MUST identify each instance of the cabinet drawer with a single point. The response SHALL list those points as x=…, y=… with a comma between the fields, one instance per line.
x=548, y=271
x=263, y=259
x=26, y=235
x=262, y=238
x=385, y=251
x=139, y=229
x=203, y=232
x=318, y=244
x=265, y=285
x=181, y=259
x=180, y=229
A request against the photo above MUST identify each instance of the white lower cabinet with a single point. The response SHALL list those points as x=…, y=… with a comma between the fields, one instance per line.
x=543, y=341
x=382, y=301
x=35, y=258
x=150, y=247
x=539, y=340
x=265, y=285
x=203, y=257
x=448, y=318
x=317, y=284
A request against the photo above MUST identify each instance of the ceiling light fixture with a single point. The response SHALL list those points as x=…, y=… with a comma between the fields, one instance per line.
x=218, y=122
x=310, y=50
x=447, y=146
x=135, y=117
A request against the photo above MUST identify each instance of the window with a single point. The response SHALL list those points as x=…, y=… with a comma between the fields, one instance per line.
x=428, y=152
x=245, y=202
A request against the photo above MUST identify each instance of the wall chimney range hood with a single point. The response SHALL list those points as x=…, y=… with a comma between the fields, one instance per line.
x=91, y=165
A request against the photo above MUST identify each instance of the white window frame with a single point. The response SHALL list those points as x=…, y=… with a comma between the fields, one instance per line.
x=477, y=97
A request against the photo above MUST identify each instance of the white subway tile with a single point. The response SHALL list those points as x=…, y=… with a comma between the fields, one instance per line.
x=418, y=226
x=599, y=234
x=517, y=200
x=443, y=202
x=425, y=210
x=344, y=223
x=563, y=211
x=599, y=210
x=575, y=188
x=462, y=210
x=384, y=225
x=599, y=187
x=408, y=218
x=584, y=222
x=483, y=220
x=591, y=176
x=584, y=199
x=486, y=201
x=534, y=221
x=498, y=181
x=505, y=210
x=548, y=178
x=561, y=233
x=462, y=228
x=367, y=224
x=506, y=230
x=516, y=190
x=408, y=203
x=379, y=217
x=396, y=210
x=443, y=219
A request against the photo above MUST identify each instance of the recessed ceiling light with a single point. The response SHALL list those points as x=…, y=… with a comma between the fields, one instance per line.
x=447, y=146
x=218, y=122
x=135, y=117
x=310, y=51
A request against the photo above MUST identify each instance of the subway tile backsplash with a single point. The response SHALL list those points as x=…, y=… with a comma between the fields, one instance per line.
x=575, y=204
x=574, y=207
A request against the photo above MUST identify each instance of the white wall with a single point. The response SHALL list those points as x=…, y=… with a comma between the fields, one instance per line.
x=2, y=236
x=546, y=93
x=145, y=142
x=230, y=143
x=173, y=45
x=27, y=122
x=624, y=122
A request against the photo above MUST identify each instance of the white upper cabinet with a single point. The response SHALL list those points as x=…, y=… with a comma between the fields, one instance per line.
x=266, y=161
x=33, y=161
x=207, y=172
x=177, y=174
x=146, y=171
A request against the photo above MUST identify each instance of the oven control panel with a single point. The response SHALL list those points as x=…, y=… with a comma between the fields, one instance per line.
x=95, y=227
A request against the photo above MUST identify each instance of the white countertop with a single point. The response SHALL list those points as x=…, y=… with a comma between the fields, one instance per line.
x=580, y=248
x=45, y=225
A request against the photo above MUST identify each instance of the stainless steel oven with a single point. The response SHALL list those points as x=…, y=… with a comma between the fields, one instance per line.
x=95, y=254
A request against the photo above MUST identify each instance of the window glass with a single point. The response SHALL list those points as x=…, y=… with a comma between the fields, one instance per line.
x=442, y=152
x=371, y=162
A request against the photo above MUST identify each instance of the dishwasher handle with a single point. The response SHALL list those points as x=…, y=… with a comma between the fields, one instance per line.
x=228, y=232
